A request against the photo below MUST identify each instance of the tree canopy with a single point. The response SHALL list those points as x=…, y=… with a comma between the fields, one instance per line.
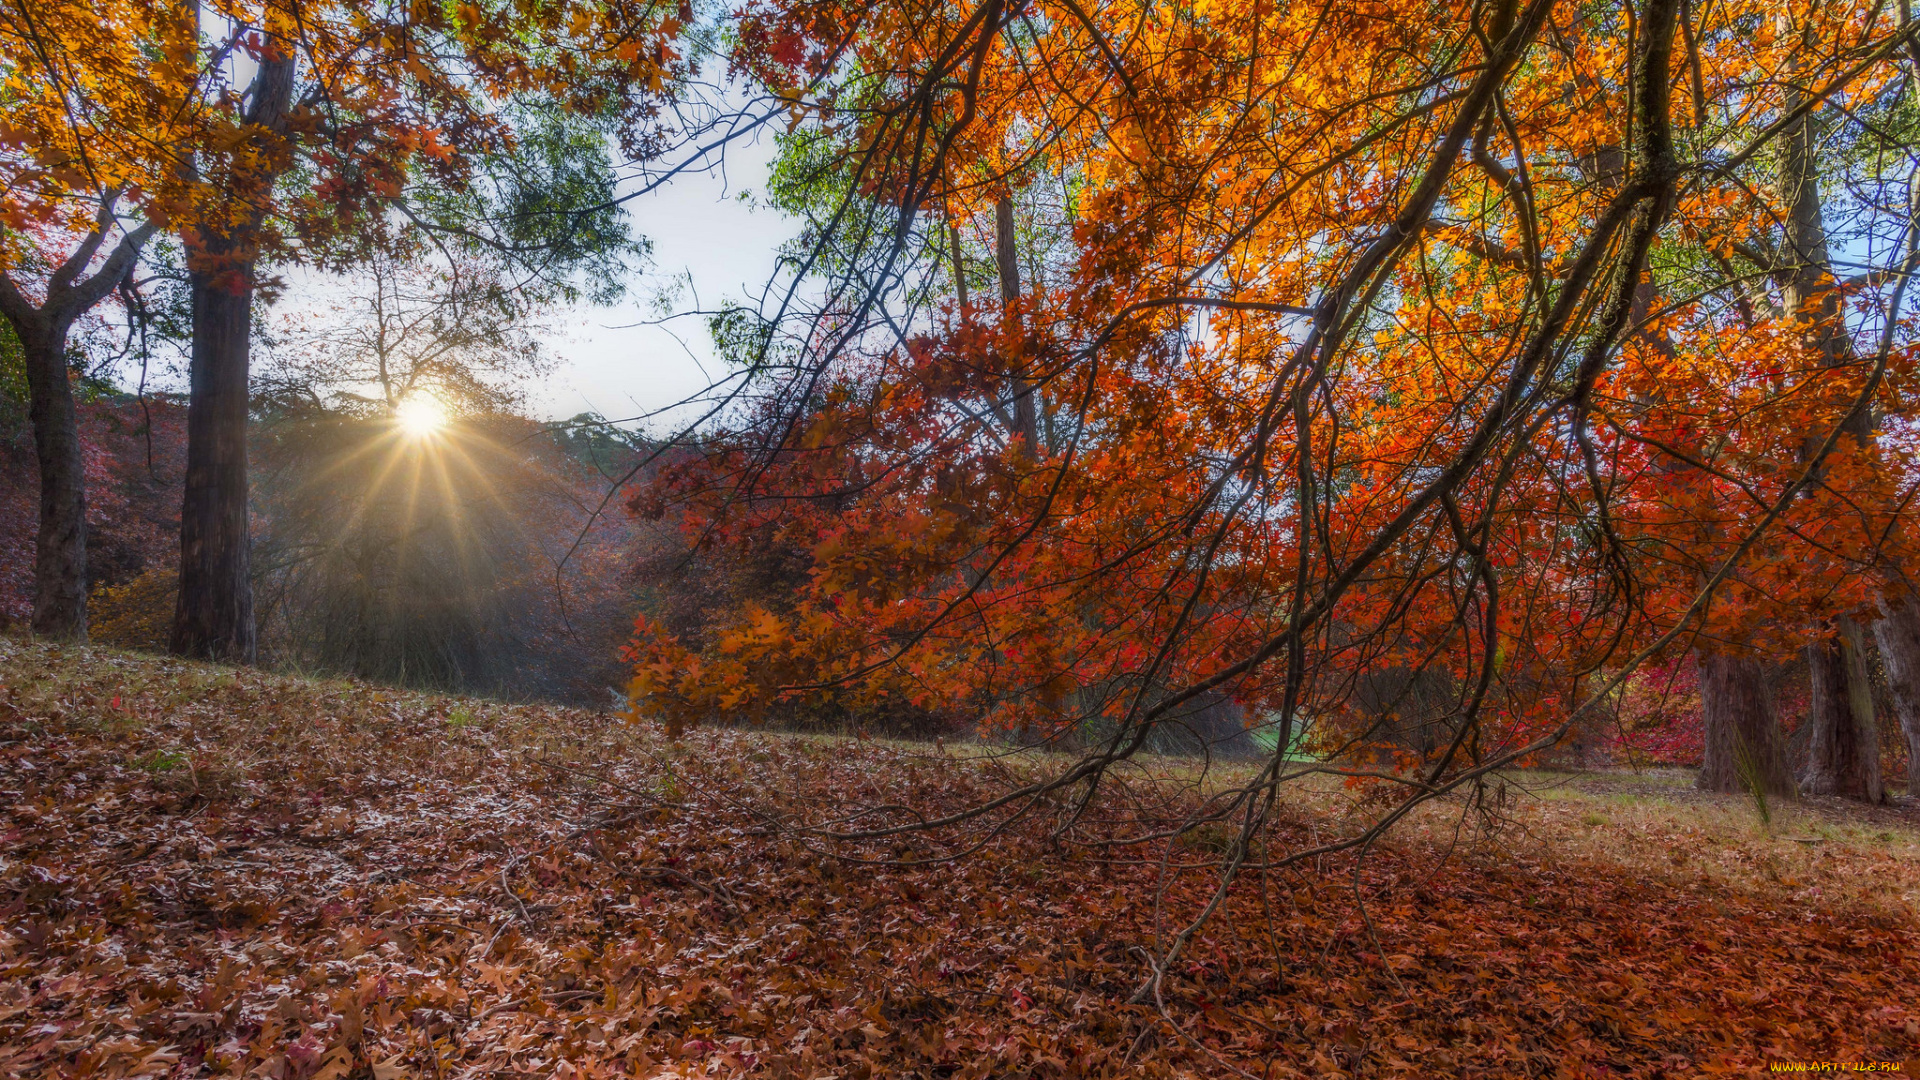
x=1405, y=375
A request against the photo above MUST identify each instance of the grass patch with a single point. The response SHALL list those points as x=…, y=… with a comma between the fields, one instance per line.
x=160, y=761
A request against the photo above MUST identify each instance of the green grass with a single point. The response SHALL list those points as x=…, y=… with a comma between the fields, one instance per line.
x=160, y=761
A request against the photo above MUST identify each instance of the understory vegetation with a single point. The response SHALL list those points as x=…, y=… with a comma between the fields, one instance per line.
x=215, y=871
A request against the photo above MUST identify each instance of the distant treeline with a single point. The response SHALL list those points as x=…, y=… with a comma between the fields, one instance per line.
x=481, y=560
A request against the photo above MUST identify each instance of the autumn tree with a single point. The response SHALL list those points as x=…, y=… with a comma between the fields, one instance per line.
x=1837, y=179
x=94, y=112
x=1384, y=342
x=365, y=108
x=457, y=302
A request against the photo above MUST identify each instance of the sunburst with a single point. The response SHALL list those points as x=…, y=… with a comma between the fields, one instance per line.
x=420, y=415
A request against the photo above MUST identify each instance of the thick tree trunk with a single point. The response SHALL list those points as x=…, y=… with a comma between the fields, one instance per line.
x=1898, y=635
x=1843, y=752
x=1843, y=746
x=214, y=616
x=213, y=619
x=1743, y=747
x=60, y=551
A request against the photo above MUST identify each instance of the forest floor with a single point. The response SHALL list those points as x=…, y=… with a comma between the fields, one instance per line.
x=210, y=872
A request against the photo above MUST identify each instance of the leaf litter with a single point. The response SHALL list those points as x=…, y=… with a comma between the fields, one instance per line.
x=210, y=873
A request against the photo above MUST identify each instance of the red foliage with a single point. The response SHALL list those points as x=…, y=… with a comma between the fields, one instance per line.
x=1659, y=716
x=1319, y=397
x=134, y=453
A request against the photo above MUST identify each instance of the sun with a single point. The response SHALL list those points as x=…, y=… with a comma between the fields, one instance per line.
x=420, y=415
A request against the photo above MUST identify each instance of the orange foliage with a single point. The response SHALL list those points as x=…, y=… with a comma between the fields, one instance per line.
x=143, y=107
x=1388, y=338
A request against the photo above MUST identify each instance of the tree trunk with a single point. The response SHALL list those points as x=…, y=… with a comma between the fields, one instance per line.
x=214, y=616
x=1898, y=635
x=213, y=619
x=1743, y=748
x=959, y=268
x=60, y=551
x=1843, y=747
x=1843, y=752
x=1026, y=417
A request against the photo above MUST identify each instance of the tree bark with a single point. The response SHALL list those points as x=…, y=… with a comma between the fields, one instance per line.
x=213, y=618
x=1898, y=635
x=60, y=547
x=1843, y=753
x=1026, y=417
x=1743, y=747
x=959, y=269
x=1844, y=756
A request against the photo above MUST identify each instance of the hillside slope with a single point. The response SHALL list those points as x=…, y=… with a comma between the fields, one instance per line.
x=205, y=872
